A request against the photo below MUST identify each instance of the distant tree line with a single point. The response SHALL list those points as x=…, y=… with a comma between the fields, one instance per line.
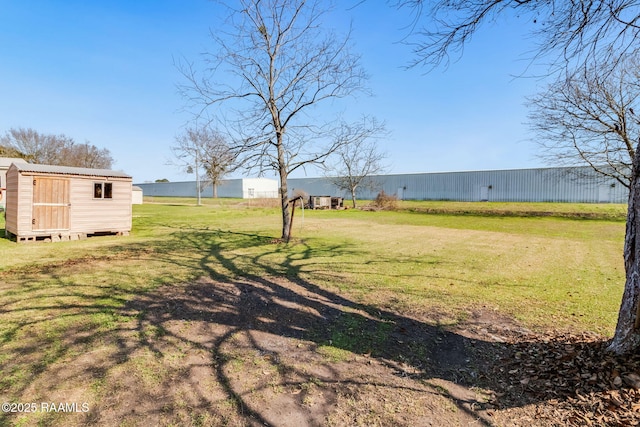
x=47, y=149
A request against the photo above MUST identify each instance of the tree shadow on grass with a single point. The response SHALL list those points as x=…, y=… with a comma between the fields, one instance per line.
x=232, y=346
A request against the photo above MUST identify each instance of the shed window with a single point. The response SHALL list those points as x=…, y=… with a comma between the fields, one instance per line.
x=102, y=190
x=108, y=192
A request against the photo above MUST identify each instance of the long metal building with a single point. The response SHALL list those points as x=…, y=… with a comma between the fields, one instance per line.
x=568, y=184
x=576, y=184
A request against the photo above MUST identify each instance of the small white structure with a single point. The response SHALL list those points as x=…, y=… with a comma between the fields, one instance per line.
x=5, y=162
x=136, y=195
x=259, y=188
x=66, y=203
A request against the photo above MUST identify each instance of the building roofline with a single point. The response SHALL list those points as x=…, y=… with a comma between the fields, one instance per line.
x=67, y=170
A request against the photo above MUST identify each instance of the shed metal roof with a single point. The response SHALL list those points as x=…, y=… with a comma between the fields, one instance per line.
x=66, y=170
x=5, y=162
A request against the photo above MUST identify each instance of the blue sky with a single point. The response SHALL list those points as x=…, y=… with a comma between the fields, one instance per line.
x=102, y=71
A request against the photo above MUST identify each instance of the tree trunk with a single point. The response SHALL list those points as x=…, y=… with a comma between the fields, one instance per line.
x=627, y=335
x=284, y=202
x=284, y=190
x=353, y=197
x=215, y=190
x=198, y=187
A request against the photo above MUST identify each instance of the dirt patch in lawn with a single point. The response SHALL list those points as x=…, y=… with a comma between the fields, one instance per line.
x=285, y=352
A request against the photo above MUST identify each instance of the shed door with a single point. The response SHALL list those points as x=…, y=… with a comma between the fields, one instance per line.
x=50, y=204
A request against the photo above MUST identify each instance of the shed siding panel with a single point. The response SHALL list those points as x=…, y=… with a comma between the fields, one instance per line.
x=25, y=196
x=19, y=196
x=90, y=215
x=12, y=212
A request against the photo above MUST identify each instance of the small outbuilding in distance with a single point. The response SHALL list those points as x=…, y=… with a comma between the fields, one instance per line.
x=137, y=196
x=45, y=202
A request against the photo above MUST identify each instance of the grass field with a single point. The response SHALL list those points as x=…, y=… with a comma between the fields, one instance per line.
x=544, y=270
x=546, y=265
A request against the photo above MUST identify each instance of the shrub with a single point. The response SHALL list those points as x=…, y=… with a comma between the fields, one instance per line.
x=384, y=201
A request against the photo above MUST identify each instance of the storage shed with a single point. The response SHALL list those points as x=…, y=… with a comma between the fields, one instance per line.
x=66, y=203
x=320, y=202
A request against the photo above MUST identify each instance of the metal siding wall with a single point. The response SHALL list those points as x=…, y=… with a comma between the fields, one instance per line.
x=518, y=185
x=227, y=188
x=315, y=187
x=175, y=189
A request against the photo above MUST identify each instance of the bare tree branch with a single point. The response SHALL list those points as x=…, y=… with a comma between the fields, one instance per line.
x=205, y=152
x=588, y=117
x=567, y=33
x=59, y=150
x=357, y=157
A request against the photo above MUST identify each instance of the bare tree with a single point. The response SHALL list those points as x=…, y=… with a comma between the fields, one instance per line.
x=59, y=150
x=358, y=157
x=566, y=33
x=280, y=63
x=572, y=36
x=203, y=151
x=35, y=146
x=87, y=156
x=217, y=160
x=587, y=118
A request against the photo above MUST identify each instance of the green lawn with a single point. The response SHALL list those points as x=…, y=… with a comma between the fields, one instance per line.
x=545, y=271
x=69, y=303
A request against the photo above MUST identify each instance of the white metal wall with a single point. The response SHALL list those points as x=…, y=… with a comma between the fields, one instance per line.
x=259, y=188
x=518, y=185
x=237, y=188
